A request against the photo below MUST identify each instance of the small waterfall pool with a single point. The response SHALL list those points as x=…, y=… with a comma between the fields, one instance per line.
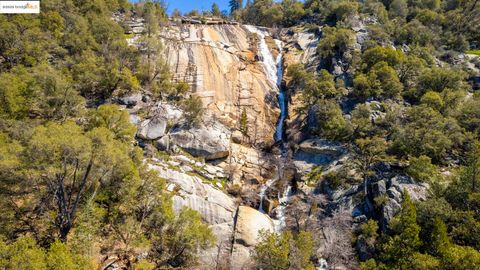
x=274, y=70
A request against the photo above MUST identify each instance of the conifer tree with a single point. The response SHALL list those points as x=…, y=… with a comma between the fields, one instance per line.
x=400, y=249
x=440, y=241
x=235, y=5
x=244, y=122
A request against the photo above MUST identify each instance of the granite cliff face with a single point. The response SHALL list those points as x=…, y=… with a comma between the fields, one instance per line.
x=243, y=183
x=221, y=64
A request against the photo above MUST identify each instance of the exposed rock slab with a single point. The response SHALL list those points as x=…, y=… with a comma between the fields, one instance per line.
x=214, y=206
x=249, y=224
x=152, y=129
x=209, y=142
x=218, y=62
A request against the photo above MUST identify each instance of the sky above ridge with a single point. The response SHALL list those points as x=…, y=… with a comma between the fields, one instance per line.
x=188, y=5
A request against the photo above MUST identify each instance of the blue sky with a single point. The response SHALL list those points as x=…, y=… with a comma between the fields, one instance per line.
x=188, y=5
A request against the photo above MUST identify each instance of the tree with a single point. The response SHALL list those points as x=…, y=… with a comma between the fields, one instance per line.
x=244, y=122
x=461, y=257
x=426, y=132
x=81, y=159
x=177, y=243
x=398, y=8
x=65, y=163
x=401, y=248
x=263, y=12
x=330, y=121
x=367, y=239
x=433, y=100
x=471, y=173
x=381, y=80
x=23, y=254
x=54, y=96
x=293, y=11
x=113, y=119
x=361, y=121
x=440, y=243
x=421, y=169
x=368, y=152
x=272, y=251
x=439, y=79
x=154, y=70
x=235, y=5
x=60, y=257
x=335, y=42
x=378, y=54
x=216, y=10
x=284, y=251
x=338, y=243
x=469, y=116
x=14, y=95
x=193, y=108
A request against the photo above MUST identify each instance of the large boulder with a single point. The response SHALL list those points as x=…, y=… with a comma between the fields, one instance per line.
x=318, y=152
x=249, y=224
x=210, y=142
x=240, y=258
x=167, y=111
x=130, y=101
x=391, y=192
x=160, y=116
x=214, y=206
x=152, y=129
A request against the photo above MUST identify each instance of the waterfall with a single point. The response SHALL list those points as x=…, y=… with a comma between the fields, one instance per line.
x=263, y=190
x=281, y=94
x=269, y=63
x=280, y=222
x=274, y=71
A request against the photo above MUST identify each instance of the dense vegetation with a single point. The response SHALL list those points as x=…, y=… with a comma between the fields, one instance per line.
x=413, y=107
x=72, y=181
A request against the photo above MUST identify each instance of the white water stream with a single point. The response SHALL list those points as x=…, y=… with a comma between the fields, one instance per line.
x=274, y=70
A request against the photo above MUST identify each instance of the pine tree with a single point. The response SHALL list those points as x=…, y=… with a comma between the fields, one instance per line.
x=216, y=10
x=235, y=5
x=472, y=170
x=407, y=227
x=244, y=122
x=439, y=238
x=400, y=249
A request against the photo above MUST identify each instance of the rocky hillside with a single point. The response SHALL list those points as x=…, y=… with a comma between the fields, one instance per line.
x=221, y=65
x=240, y=172
x=317, y=134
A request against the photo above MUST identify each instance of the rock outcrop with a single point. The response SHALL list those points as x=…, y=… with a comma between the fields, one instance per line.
x=216, y=208
x=152, y=129
x=214, y=205
x=210, y=142
x=249, y=224
x=301, y=46
x=219, y=62
x=248, y=165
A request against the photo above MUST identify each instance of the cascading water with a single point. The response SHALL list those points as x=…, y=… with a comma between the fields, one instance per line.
x=274, y=71
x=281, y=94
x=263, y=190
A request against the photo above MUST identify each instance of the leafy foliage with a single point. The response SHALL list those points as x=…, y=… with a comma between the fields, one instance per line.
x=284, y=251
